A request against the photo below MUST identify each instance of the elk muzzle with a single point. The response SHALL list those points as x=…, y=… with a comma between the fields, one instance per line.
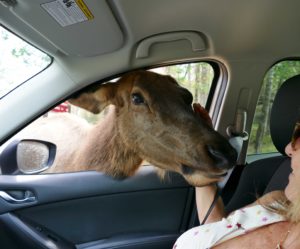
x=224, y=157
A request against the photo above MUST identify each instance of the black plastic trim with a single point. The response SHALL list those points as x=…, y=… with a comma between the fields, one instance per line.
x=29, y=236
x=134, y=241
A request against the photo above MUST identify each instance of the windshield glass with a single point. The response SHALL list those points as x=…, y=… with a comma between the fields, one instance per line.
x=19, y=61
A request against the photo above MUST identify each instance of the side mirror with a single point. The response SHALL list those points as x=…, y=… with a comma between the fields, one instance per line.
x=27, y=156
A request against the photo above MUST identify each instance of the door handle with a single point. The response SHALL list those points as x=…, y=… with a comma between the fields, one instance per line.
x=27, y=197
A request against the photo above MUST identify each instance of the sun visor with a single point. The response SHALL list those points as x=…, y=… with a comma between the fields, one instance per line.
x=74, y=27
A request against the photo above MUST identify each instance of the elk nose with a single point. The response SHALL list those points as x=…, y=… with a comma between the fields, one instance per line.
x=223, y=159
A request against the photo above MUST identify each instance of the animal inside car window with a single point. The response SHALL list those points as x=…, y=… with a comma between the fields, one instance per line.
x=143, y=108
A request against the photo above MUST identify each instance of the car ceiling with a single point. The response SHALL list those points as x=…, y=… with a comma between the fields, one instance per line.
x=245, y=36
x=234, y=30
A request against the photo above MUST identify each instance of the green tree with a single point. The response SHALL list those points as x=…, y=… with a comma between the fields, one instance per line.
x=260, y=140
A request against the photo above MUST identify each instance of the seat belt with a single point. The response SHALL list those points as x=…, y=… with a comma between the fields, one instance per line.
x=237, y=136
x=237, y=143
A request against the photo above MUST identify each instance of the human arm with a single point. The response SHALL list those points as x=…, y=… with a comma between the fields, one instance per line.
x=204, y=199
x=205, y=195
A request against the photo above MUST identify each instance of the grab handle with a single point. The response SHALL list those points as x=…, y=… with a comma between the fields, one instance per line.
x=196, y=40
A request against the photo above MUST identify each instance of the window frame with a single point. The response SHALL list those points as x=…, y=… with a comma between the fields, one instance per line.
x=32, y=45
x=261, y=154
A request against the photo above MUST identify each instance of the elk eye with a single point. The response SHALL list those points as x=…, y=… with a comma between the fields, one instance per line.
x=137, y=99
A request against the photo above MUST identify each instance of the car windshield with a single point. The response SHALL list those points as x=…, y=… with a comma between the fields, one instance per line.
x=19, y=61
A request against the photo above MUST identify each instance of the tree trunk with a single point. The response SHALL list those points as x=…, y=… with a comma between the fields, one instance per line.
x=263, y=119
x=198, y=72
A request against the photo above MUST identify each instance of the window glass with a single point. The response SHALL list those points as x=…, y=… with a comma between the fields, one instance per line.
x=260, y=139
x=18, y=61
x=196, y=77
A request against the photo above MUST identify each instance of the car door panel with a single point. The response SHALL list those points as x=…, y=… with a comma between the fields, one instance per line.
x=17, y=233
x=136, y=241
x=92, y=210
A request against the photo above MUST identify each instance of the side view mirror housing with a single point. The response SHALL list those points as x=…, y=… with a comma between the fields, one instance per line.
x=27, y=156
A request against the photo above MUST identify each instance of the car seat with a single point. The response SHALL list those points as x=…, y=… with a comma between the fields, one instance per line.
x=269, y=174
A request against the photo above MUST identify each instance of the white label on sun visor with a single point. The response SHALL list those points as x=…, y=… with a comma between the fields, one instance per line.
x=68, y=12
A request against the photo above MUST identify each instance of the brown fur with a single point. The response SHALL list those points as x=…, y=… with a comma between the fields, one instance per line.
x=164, y=130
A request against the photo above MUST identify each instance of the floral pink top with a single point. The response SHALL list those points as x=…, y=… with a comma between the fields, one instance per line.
x=238, y=223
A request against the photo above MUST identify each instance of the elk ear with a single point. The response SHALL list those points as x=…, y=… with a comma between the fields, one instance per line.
x=95, y=99
x=199, y=110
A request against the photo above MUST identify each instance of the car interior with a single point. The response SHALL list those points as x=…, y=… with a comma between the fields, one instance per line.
x=273, y=172
x=87, y=43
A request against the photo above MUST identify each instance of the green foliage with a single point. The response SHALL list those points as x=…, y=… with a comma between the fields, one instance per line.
x=20, y=52
x=18, y=61
x=4, y=34
x=27, y=53
x=260, y=140
x=196, y=77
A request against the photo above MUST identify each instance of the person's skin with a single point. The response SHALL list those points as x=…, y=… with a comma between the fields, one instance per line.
x=204, y=196
x=264, y=237
x=293, y=187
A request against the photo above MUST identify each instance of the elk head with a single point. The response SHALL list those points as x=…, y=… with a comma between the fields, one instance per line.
x=156, y=119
